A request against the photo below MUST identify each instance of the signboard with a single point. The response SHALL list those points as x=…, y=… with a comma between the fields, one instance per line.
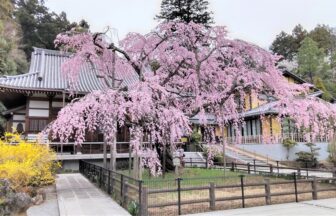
x=176, y=162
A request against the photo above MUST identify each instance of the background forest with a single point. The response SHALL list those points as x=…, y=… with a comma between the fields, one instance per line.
x=25, y=24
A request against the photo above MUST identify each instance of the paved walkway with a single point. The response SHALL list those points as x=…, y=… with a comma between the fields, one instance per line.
x=78, y=197
x=49, y=207
x=325, y=207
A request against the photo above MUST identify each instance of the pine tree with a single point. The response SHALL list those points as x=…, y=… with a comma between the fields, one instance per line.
x=186, y=10
x=310, y=58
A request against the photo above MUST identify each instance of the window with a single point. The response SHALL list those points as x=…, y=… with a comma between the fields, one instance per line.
x=37, y=125
x=252, y=127
x=288, y=126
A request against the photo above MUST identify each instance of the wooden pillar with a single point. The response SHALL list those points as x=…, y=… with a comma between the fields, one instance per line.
x=144, y=201
x=212, y=196
x=267, y=191
x=314, y=188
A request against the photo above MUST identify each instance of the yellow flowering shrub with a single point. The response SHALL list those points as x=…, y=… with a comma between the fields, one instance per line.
x=26, y=164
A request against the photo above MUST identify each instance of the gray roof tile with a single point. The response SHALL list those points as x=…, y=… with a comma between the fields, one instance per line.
x=45, y=74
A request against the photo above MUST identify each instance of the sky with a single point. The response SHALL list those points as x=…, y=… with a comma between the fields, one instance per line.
x=256, y=21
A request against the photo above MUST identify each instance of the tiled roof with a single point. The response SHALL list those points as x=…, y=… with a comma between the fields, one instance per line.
x=268, y=108
x=45, y=75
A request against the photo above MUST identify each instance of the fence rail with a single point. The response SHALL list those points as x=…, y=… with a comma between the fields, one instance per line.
x=260, y=139
x=153, y=196
x=278, y=169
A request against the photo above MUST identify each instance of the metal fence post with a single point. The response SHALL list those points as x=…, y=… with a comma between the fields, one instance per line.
x=232, y=167
x=109, y=182
x=179, y=195
x=271, y=169
x=112, y=182
x=212, y=196
x=248, y=168
x=121, y=186
x=124, y=194
x=267, y=191
x=100, y=177
x=314, y=188
x=242, y=190
x=295, y=187
x=254, y=166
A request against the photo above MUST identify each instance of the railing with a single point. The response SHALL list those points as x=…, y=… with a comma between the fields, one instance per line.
x=269, y=169
x=176, y=196
x=93, y=147
x=87, y=147
x=124, y=189
x=260, y=139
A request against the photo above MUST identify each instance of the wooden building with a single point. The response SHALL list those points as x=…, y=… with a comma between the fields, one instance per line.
x=261, y=124
x=33, y=99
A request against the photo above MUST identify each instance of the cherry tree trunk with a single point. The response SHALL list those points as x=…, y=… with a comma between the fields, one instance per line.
x=113, y=154
x=223, y=143
x=105, y=154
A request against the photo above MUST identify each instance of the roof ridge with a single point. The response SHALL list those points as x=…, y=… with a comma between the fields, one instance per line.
x=38, y=50
x=20, y=75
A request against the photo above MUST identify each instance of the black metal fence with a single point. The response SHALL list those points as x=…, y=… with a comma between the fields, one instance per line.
x=127, y=191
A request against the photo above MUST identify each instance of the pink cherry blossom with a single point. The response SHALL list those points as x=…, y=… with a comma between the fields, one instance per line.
x=182, y=70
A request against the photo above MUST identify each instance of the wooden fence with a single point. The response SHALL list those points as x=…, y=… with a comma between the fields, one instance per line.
x=126, y=190
x=212, y=188
x=269, y=169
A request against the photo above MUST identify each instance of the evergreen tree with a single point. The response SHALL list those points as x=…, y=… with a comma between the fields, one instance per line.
x=186, y=11
x=283, y=45
x=12, y=58
x=39, y=26
x=287, y=45
x=310, y=58
x=320, y=85
x=325, y=38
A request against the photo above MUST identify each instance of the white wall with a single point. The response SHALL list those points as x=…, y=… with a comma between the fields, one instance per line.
x=41, y=108
x=18, y=117
x=278, y=152
x=38, y=104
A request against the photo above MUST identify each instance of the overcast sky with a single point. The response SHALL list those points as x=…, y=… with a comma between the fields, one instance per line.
x=257, y=21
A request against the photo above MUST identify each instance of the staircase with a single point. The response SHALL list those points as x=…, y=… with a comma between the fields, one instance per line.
x=196, y=159
x=243, y=156
x=193, y=159
x=239, y=157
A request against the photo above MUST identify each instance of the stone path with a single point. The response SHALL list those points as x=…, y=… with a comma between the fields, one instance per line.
x=78, y=197
x=325, y=207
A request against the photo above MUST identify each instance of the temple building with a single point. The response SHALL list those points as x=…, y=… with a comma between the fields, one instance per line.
x=32, y=100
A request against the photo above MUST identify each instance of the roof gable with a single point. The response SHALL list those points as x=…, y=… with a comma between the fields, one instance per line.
x=45, y=74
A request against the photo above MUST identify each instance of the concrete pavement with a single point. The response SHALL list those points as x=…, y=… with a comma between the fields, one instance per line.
x=49, y=207
x=325, y=207
x=78, y=197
